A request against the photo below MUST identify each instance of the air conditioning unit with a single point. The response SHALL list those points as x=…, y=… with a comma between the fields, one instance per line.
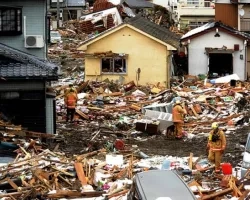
x=34, y=41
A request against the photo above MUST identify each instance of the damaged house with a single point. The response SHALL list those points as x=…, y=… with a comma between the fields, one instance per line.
x=136, y=50
x=24, y=70
x=109, y=13
x=217, y=49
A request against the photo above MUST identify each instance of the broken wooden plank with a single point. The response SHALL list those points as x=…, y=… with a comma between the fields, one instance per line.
x=73, y=194
x=118, y=194
x=217, y=194
x=82, y=86
x=135, y=107
x=213, y=108
x=12, y=183
x=80, y=173
x=190, y=161
x=82, y=114
x=80, y=157
x=112, y=94
x=193, y=110
x=244, y=195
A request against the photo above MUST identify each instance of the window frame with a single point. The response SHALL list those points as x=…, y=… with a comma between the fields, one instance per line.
x=113, y=65
x=17, y=21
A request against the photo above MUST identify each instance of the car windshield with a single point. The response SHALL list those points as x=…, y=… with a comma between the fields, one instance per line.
x=55, y=34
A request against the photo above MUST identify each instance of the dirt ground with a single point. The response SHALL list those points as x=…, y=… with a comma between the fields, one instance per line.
x=77, y=140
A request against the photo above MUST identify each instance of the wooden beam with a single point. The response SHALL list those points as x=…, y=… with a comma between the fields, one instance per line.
x=190, y=161
x=82, y=114
x=80, y=173
x=73, y=194
x=217, y=194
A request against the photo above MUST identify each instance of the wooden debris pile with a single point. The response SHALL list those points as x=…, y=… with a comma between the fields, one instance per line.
x=42, y=173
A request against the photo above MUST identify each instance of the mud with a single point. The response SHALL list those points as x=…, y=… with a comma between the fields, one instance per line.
x=77, y=140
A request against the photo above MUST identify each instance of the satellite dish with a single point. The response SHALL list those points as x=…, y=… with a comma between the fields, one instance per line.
x=241, y=12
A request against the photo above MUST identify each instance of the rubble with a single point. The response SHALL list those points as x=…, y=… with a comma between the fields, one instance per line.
x=110, y=118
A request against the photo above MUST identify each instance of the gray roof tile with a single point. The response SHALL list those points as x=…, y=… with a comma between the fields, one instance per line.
x=20, y=64
x=155, y=30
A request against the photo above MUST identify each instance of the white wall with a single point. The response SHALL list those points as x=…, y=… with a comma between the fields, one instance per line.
x=198, y=60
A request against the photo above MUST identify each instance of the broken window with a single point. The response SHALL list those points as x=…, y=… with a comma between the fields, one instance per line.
x=114, y=65
x=10, y=21
x=99, y=23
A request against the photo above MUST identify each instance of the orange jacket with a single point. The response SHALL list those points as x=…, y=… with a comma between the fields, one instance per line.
x=218, y=145
x=71, y=100
x=178, y=113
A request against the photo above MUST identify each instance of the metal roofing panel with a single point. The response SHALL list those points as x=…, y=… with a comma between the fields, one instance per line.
x=162, y=183
x=198, y=30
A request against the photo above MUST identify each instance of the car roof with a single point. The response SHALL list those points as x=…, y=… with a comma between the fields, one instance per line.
x=162, y=183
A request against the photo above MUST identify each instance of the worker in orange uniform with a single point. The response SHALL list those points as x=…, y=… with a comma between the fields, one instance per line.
x=70, y=88
x=216, y=145
x=70, y=101
x=178, y=114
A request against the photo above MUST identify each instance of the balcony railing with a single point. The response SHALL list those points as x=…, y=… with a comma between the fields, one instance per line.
x=245, y=25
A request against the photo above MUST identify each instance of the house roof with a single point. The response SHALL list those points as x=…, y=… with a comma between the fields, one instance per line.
x=144, y=26
x=139, y=4
x=211, y=26
x=17, y=64
x=155, y=30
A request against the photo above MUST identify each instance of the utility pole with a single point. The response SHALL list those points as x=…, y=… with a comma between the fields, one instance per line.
x=58, y=13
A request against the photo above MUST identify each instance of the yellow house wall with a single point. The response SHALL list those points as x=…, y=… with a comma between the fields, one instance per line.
x=143, y=52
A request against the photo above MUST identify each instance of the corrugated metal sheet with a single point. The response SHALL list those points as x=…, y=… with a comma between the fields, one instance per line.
x=227, y=14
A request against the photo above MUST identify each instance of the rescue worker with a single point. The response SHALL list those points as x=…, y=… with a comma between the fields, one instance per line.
x=70, y=102
x=216, y=145
x=178, y=114
x=69, y=88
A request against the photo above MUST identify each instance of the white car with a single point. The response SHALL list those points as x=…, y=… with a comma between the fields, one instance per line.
x=55, y=37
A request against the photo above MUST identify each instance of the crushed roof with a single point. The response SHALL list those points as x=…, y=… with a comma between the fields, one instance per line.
x=151, y=28
x=20, y=64
x=214, y=24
